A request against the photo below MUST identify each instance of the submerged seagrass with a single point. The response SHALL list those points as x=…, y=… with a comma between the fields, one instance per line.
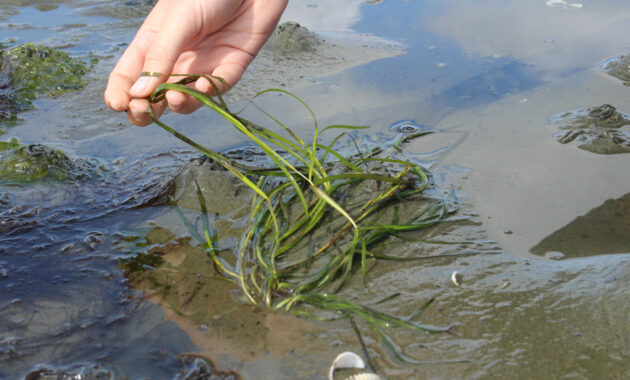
x=316, y=215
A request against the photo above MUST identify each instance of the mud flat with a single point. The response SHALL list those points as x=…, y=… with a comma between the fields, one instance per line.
x=296, y=56
x=522, y=180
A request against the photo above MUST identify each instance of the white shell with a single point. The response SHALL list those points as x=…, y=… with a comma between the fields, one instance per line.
x=346, y=359
x=364, y=376
x=556, y=3
x=456, y=278
x=563, y=4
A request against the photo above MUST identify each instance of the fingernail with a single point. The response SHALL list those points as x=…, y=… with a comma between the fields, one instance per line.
x=135, y=114
x=140, y=87
x=138, y=114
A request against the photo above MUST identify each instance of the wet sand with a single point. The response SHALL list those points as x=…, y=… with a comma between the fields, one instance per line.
x=515, y=315
x=523, y=180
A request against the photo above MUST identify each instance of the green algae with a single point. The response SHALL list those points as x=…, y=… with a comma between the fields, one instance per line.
x=29, y=71
x=44, y=70
x=291, y=37
x=20, y=164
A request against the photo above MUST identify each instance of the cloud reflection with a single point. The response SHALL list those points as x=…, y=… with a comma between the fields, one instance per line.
x=552, y=38
x=324, y=15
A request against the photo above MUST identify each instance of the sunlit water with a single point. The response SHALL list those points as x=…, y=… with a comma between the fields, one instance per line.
x=542, y=235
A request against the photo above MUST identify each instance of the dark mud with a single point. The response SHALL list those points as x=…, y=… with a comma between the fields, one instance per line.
x=502, y=310
x=602, y=230
x=60, y=279
x=179, y=277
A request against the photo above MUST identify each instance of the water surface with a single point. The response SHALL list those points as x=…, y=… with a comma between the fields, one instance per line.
x=541, y=238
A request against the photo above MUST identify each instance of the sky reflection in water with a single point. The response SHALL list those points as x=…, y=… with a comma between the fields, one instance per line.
x=62, y=302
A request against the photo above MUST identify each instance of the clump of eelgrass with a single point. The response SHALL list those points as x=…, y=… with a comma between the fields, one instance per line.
x=311, y=188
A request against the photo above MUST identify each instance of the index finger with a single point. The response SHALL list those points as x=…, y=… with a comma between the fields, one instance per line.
x=130, y=64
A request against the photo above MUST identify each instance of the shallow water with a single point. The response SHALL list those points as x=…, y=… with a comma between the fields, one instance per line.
x=541, y=239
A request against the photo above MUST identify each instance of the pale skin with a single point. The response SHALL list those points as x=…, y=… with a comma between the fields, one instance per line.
x=216, y=37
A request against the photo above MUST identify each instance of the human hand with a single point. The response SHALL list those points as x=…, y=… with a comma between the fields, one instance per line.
x=216, y=37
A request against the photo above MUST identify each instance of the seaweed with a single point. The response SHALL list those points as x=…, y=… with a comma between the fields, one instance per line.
x=22, y=164
x=29, y=71
x=318, y=215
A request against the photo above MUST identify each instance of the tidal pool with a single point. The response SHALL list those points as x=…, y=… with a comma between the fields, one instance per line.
x=99, y=278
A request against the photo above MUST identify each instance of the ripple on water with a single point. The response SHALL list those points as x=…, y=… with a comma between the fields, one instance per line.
x=62, y=298
x=408, y=126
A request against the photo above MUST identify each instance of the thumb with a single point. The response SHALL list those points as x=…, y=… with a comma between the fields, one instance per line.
x=164, y=50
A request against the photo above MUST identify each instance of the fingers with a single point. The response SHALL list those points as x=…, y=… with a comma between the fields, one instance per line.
x=155, y=49
x=165, y=49
x=138, y=108
x=130, y=64
x=230, y=73
x=138, y=112
x=116, y=97
x=218, y=37
x=117, y=93
x=182, y=103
